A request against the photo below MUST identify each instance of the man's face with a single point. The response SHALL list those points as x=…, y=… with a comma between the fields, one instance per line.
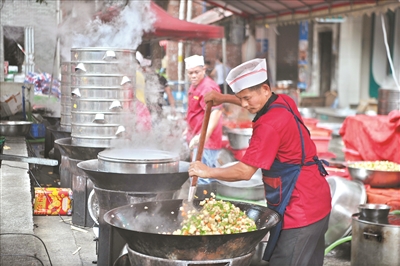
x=196, y=74
x=254, y=100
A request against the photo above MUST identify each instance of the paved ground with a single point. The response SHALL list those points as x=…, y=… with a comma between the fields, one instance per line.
x=54, y=241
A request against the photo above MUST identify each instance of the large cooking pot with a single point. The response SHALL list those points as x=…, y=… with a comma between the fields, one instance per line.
x=143, y=161
x=375, y=243
x=141, y=225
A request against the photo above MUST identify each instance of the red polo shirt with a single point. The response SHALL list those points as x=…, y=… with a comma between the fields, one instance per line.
x=196, y=111
x=275, y=135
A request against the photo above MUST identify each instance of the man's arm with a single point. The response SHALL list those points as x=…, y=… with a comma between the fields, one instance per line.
x=213, y=122
x=218, y=98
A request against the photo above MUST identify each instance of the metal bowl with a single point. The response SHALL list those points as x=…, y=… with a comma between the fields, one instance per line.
x=374, y=212
x=15, y=128
x=239, y=138
x=375, y=178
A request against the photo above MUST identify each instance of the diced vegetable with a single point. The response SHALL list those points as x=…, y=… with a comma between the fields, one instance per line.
x=377, y=165
x=217, y=217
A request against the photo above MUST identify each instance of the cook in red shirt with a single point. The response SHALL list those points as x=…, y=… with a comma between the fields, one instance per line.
x=201, y=85
x=293, y=176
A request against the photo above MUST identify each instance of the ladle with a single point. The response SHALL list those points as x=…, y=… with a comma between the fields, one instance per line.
x=199, y=154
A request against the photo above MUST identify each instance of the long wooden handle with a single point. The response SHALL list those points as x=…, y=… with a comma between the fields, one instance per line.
x=202, y=140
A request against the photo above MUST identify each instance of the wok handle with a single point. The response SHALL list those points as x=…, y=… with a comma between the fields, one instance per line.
x=202, y=139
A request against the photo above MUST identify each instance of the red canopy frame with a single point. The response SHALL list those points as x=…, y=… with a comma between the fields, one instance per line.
x=169, y=27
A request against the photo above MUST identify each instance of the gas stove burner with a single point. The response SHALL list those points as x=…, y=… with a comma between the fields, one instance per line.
x=137, y=258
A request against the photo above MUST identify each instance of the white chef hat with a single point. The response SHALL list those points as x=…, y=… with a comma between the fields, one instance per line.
x=247, y=75
x=194, y=61
x=142, y=61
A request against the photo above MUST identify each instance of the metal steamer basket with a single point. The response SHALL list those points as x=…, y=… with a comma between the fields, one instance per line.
x=141, y=161
x=102, y=94
x=65, y=120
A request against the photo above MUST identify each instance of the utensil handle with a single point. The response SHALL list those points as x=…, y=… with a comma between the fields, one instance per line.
x=202, y=139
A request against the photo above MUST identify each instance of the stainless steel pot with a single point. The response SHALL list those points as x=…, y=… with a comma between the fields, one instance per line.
x=239, y=137
x=143, y=161
x=347, y=195
x=375, y=243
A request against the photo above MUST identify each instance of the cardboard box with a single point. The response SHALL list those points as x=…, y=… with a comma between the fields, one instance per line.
x=10, y=105
x=52, y=201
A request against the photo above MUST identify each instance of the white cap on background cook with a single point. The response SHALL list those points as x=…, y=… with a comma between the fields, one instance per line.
x=247, y=75
x=194, y=61
x=142, y=61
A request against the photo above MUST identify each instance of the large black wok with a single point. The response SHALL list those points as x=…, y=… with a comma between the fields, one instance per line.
x=142, y=224
x=135, y=182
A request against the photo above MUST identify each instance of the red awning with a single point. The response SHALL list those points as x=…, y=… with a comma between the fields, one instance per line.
x=169, y=27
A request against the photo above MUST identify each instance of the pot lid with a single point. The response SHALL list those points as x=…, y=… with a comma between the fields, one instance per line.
x=138, y=155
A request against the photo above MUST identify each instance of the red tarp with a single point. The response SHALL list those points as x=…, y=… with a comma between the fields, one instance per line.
x=169, y=27
x=373, y=137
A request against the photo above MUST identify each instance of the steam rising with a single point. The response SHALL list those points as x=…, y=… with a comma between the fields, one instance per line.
x=121, y=24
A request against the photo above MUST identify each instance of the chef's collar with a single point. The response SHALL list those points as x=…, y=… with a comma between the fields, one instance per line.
x=265, y=107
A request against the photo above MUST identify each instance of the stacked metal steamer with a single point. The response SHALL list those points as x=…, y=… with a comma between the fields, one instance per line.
x=65, y=121
x=101, y=96
x=102, y=87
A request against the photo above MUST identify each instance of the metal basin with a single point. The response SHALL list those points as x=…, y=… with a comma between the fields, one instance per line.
x=101, y=67
x=374, y=212
x=252, y=189
x=375, y=178
x=15, y=128
x=239, y=137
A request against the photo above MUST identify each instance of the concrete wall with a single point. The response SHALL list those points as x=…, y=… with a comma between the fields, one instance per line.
x=43, y=19
x=350, y=59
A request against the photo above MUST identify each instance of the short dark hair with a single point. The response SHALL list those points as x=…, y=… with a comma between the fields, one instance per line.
x=256, y=87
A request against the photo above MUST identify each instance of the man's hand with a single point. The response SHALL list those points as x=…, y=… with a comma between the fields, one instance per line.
x=214, y=97
x=199, y=169
x=194, y=142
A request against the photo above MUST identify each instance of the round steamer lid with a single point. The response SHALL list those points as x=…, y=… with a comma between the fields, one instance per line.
x=138, y=155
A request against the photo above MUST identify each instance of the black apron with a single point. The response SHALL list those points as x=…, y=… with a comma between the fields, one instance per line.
x=280, y=180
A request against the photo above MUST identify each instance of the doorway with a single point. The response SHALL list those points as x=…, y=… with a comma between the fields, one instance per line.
x=326, y=62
